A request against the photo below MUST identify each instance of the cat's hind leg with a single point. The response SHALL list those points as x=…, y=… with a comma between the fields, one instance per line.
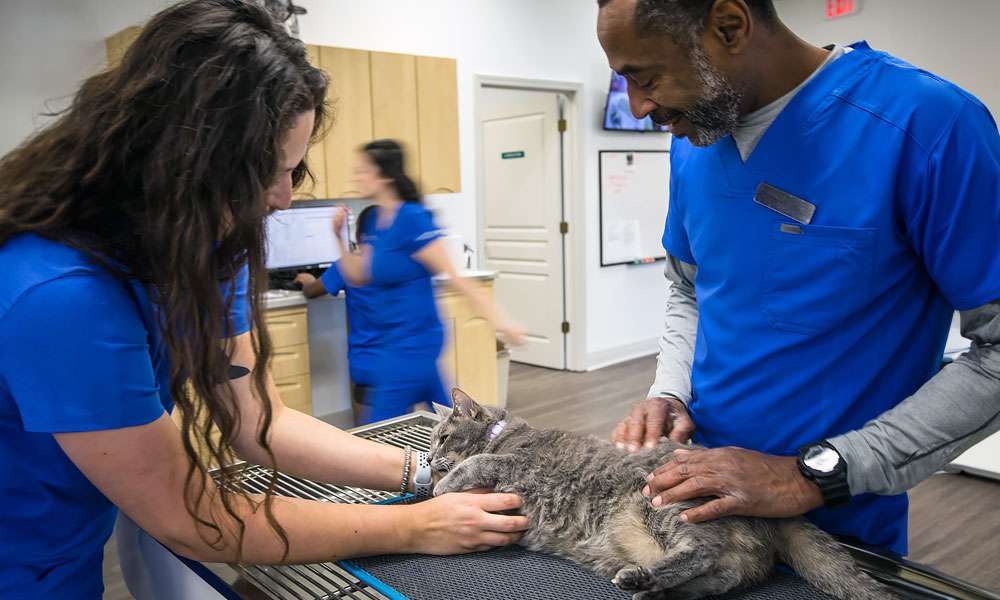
x=716, y=581
x=663, y=552
x=680, y=565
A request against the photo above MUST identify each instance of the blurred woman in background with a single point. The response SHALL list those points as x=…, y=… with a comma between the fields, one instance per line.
x=398, y=261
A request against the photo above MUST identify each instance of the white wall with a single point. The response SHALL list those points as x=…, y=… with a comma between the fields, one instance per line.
x=48, y=46
x=954, y=39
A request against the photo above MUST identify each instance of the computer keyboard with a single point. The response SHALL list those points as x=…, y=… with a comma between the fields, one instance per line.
x=284, y=279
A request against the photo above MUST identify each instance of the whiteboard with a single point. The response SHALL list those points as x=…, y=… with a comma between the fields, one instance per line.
x=634, y=197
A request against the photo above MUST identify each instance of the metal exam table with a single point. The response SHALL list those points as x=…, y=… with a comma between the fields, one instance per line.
x=154, y=573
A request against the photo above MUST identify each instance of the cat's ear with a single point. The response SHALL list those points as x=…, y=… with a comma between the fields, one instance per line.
x=465, y=406
x=441, y=410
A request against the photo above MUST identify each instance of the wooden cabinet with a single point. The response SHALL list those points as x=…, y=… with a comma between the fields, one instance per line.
x=412, y=99
x=287, y=327
x=289, y=333
x=116, y=45
x=350, y=99
x=394, y=105
x=437, y=107
x=469, y=356
x=296, y=392
x=315, y=188
x=289, y=362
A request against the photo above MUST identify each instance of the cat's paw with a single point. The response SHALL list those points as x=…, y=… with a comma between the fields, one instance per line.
x=449, y=483
x=442, y=464
x=654, y=595
x=633, y=579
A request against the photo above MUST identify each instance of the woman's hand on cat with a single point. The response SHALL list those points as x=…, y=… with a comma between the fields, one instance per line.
x=743, y=482
x=465, y=522
x=651, y=419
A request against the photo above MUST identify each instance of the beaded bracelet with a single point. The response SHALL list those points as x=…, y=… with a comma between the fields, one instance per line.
x=407, y=453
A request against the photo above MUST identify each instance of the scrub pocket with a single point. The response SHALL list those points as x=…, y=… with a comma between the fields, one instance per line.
x=816, y=276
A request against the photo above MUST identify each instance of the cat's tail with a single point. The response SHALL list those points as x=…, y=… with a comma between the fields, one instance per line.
x=821, y=561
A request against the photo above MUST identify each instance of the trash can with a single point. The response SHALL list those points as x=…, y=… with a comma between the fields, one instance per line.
x=503, y=373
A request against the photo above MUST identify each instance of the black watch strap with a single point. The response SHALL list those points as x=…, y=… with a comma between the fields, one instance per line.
x=833, y=485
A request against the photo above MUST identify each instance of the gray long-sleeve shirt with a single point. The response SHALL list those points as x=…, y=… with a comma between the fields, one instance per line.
x=954, y=410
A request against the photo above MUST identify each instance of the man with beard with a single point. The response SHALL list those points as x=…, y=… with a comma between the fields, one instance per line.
x=830, y=209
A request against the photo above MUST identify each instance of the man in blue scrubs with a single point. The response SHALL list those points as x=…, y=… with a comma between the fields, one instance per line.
x=829, y=209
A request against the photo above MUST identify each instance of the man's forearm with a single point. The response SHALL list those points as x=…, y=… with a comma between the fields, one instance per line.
x=953, y=411
x=680, y=329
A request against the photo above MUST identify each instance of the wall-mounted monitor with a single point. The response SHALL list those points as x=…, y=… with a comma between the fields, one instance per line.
x=618, y=115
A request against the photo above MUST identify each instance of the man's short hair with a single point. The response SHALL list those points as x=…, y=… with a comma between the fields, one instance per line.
x=685, y=19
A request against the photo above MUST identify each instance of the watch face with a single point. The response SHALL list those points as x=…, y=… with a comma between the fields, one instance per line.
x=822, y=459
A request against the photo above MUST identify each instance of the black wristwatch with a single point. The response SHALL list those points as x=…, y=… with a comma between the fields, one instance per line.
x=822, y=464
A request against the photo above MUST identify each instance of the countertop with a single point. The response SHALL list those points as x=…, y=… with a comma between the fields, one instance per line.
x=275, y=299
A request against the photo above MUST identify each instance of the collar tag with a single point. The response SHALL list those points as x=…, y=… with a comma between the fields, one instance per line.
x=496, y=429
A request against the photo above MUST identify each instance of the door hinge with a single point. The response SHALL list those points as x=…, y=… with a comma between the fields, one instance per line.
x=562, y=125
x=565, y=326
x=563, y=227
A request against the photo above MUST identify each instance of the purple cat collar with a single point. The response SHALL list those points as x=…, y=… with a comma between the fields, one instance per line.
x=496, y=429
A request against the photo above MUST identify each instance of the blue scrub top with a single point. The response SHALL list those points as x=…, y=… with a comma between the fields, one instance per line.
x=79, y=351
x=403, y=295
x=363, y=336
x=807, y=333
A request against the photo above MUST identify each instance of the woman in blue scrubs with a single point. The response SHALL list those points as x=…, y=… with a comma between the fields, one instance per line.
x=362, y=339
x=131, y=247
x=404, y=252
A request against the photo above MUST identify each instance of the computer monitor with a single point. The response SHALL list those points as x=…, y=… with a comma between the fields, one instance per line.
x=302, y=236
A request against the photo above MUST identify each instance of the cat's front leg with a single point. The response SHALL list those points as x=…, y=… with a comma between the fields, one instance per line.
x=479, y=471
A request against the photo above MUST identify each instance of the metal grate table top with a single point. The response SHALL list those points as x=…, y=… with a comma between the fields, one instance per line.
x=324, y=581
x=515, y=572
x=329, y=581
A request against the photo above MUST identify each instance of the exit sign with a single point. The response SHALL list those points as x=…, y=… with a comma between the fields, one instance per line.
x=841, y=8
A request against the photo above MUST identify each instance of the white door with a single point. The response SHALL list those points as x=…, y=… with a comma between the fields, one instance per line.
x=523, y=206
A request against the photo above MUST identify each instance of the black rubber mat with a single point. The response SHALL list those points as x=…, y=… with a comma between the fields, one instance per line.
x=514, y=572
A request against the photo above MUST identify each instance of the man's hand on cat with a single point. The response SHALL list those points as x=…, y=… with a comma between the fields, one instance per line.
x=743, y=482
x=465, y=522
x=651, y=419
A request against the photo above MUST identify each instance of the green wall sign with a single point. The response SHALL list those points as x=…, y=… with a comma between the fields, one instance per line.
x=518, y=154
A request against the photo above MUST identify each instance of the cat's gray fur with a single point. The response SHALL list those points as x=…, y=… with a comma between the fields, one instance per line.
x=583, y=501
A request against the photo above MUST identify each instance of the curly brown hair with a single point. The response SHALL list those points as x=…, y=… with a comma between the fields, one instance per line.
x=158, y=170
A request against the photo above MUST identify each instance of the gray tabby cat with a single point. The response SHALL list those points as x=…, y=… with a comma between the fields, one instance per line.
x=583, y=501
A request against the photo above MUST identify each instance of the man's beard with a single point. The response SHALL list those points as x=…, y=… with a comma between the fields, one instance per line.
x=715, y=114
